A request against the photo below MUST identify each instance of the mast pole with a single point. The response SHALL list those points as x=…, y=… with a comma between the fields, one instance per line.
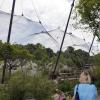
x=58, y=57
x=8, y=39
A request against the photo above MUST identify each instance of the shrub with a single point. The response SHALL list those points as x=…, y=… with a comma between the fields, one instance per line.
x=96, y=74
x=42, y=88
x=4, y=92
x=21, y=87
x=67, y=86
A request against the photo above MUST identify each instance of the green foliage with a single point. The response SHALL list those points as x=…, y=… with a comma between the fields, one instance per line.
x=43, y=88
x=75, y=58
x=22, y=87
x=15, y=55
x=5, y=51
x=81, y=57
x=96, y=60
x=96, y=74
x=13, y=52
x=70, y=62
x=16, y=88
x=89, y=11
x=4, y=92
x=66, y=85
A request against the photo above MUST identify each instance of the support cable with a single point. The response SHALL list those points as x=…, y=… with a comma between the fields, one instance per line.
x=42, y=32
x=91, y=44
x=20, y=16
x=42, y=24
x=70, y=34
x=76, y=54
x=63, y=37
x=90, y=48
x=87, y=44
x=34, y=8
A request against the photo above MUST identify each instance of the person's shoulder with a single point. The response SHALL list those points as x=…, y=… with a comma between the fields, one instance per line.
x=93, y=85
x=81, y=84
x=86, y=86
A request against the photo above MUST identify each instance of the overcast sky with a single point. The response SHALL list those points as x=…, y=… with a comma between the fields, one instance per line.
x=52, y=13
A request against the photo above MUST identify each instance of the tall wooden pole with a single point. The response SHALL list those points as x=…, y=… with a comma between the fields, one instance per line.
x=8, y=40
x=58, y=57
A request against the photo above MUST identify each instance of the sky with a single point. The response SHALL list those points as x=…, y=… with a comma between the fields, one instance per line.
x=52, y=13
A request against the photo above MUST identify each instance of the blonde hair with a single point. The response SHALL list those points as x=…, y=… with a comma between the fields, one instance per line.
x=87, y=77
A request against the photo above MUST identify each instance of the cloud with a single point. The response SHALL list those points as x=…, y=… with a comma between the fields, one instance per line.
x=52, y=13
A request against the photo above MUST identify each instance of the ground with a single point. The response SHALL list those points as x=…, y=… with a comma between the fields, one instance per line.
x=98, y=98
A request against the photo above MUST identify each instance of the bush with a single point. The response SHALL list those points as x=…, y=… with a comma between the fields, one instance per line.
x=17, y=87
x=4, y=92
x=96, y=74
x=67, y=86
x=22, y=87
x=42, y=88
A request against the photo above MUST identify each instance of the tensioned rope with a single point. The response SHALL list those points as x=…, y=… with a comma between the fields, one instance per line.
x=87, y=44
x=91, y=47
x=19, y=17
x=42, y=24
x=76, y=55
x=34, y=8
x=70, y=34
x=15, y=21
x=43, y=32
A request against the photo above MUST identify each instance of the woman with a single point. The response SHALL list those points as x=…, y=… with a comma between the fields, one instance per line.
x=85, y=89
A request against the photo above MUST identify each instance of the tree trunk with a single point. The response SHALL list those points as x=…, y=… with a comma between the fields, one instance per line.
x=3, y=73
x=10, y=68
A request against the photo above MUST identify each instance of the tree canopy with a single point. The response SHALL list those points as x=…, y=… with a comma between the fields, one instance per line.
x=89, y=12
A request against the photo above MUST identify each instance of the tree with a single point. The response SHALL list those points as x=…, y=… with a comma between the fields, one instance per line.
x=75, y=57
x=96, y=60
x=89, y=12
x=15, y=55
x=19, y=57
x=82, y=57
x=44, y=57
x=4, y=55
x=50, y=52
